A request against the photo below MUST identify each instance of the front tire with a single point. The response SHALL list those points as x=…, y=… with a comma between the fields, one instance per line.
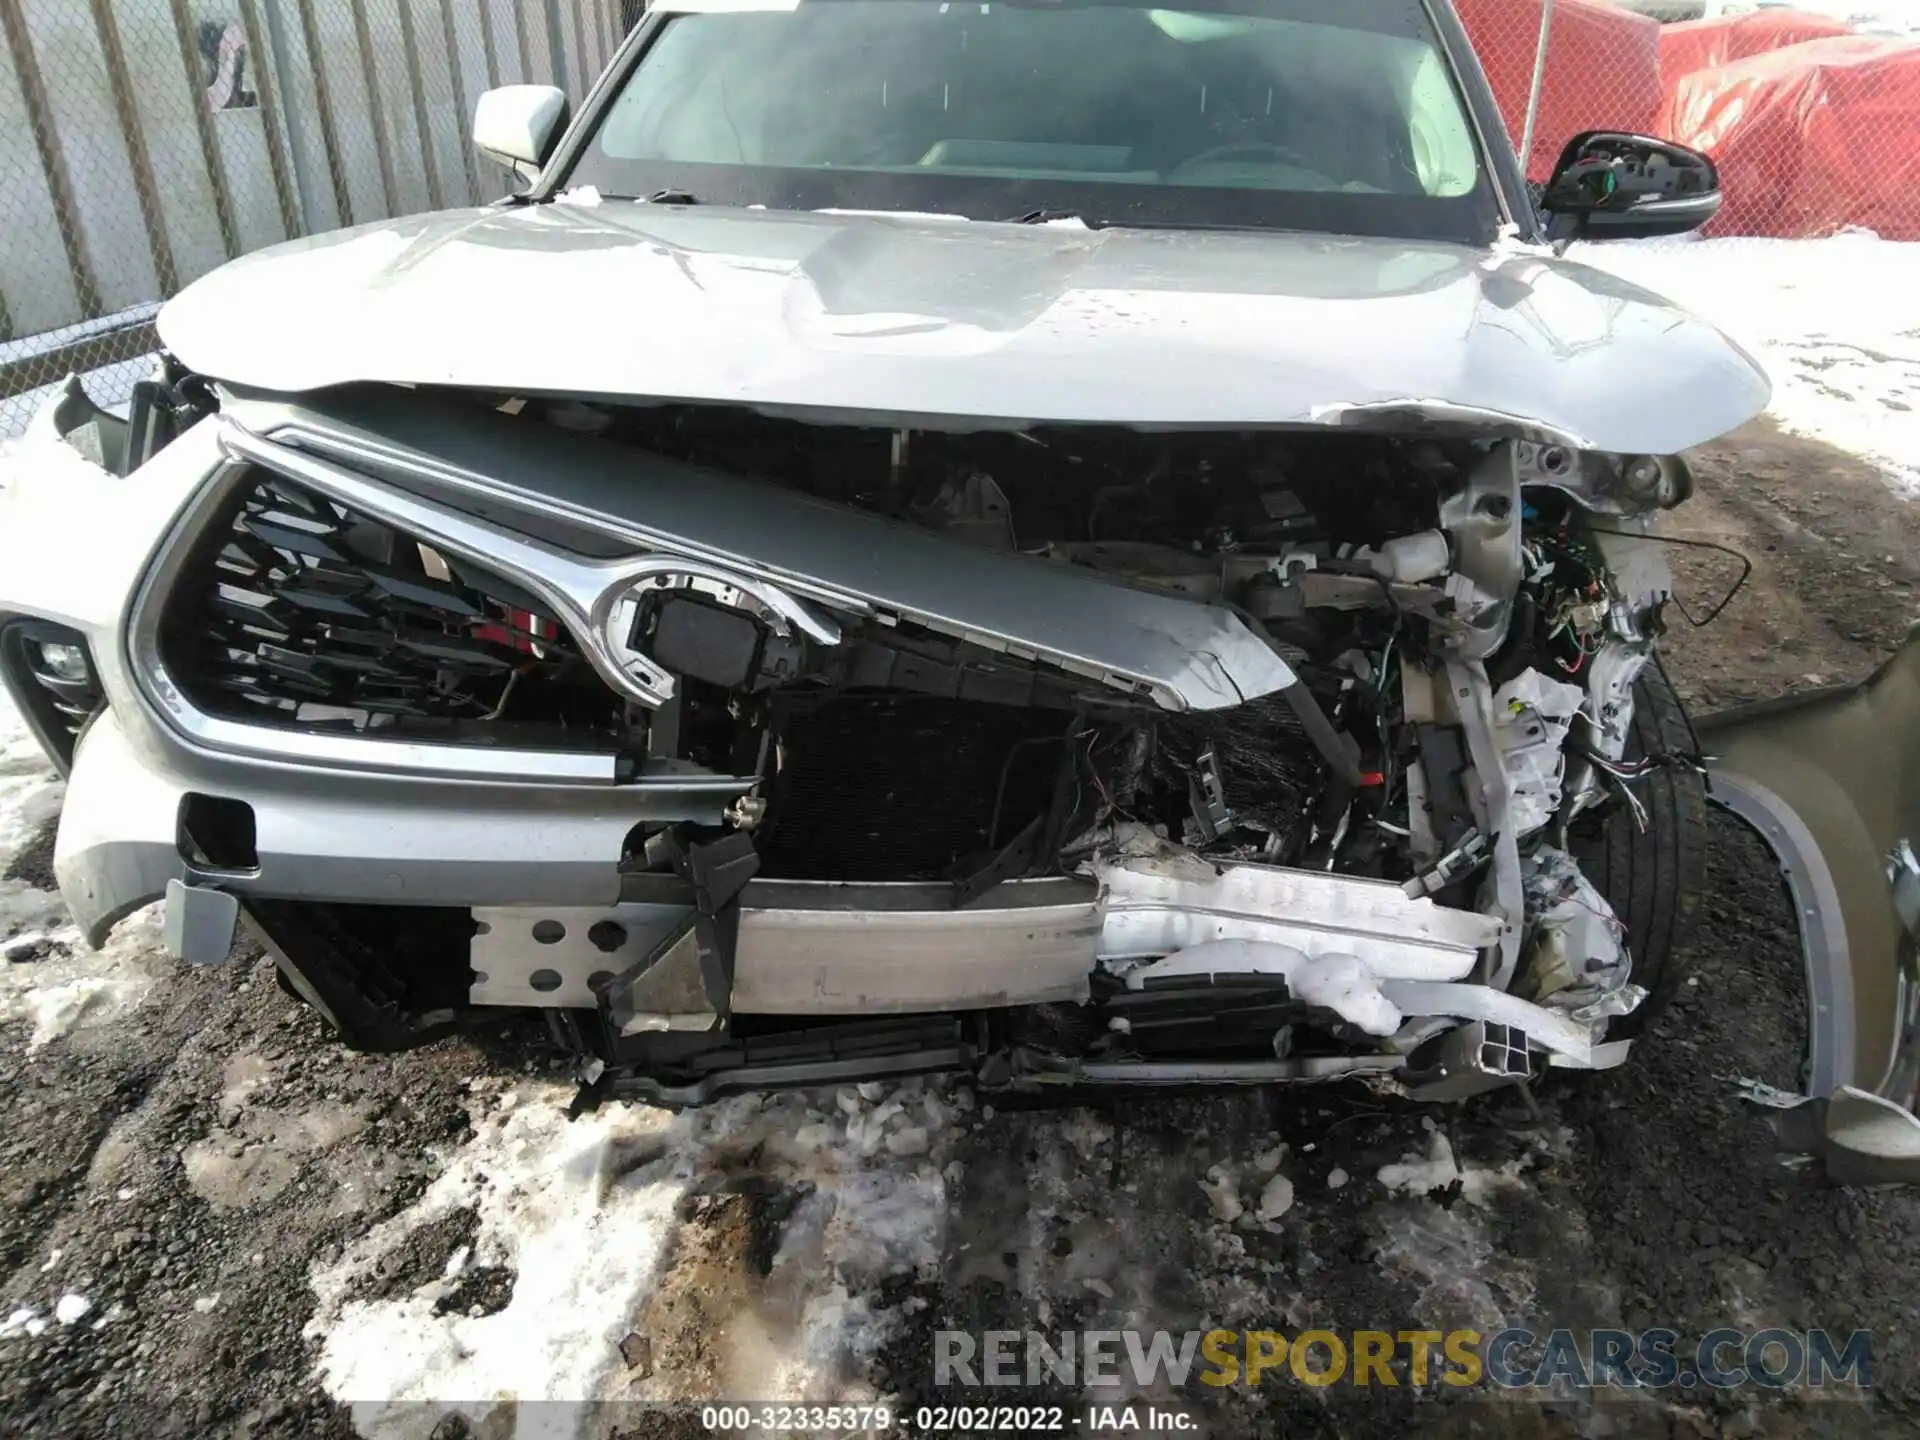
x=1654, y=879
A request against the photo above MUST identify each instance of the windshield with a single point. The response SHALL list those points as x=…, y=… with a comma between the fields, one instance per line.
x=1283, y=113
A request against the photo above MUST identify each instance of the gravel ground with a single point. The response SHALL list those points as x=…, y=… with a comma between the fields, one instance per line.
x=202, y=1166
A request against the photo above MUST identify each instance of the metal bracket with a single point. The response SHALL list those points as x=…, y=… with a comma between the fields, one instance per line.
x=1903, y=874
x=200, y=922
x=1476, y=1057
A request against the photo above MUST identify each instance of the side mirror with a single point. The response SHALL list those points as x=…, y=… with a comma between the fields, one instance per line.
x=1613, y=186
x=517, y=125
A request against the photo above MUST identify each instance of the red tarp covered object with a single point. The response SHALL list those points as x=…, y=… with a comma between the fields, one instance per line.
x=1698, y=44
x=1809, y=139
x=1603, y=69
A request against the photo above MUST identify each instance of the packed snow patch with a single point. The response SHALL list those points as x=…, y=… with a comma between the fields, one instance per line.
x=1276, y=1199
x=589, y=1216
x=29, y=790
x=48, y=978
x=1444, y=1249
x=1836, y=323
x=24, y=1321
x=69, y=987
x=1439, y=1170
x=1222, y=1189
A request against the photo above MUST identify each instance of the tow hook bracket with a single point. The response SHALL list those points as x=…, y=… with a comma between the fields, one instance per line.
x=200, y=922
x=686, y=981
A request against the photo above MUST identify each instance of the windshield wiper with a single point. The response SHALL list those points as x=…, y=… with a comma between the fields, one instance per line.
x=1042, y=217
x=671, y=196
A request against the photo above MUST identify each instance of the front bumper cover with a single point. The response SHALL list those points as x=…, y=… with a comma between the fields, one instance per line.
x=402, y=843
x=327, y=828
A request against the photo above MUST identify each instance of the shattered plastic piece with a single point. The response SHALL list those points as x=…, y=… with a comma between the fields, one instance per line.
x=1623, y=1001
x=1130, y=840
x=1531, y=716
x=1340, y=983
x=1577, y=959
x=1759, y=1092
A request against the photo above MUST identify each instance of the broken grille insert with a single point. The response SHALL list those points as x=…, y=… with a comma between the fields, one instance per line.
x=296, y=609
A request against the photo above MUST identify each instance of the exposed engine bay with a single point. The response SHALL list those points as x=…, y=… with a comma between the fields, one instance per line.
x=946, y=848
x=1059, y=756
x=1339, y=552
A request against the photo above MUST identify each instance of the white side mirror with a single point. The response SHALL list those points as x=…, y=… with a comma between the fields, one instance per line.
x=517, y=125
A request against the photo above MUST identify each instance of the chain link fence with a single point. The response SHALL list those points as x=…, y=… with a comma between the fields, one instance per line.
x=1812, y=118
x=153, y=140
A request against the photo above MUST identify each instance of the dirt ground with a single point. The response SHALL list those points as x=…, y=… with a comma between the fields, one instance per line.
x=1836, y=569
x=187, y=1167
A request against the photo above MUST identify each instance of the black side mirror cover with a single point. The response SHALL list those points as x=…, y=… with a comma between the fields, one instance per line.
x=1610, y=184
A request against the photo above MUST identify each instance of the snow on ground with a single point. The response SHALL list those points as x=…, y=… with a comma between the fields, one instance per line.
x=29, y=792
x=1836, y=322
x=1440, y=1170
x=1446, y=1251
x=47, y=977
x=583, y=1214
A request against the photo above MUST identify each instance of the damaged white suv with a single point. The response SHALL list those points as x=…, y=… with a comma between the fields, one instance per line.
x=1076, y=543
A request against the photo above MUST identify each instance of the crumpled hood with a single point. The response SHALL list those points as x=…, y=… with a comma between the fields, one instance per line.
x=931, y=320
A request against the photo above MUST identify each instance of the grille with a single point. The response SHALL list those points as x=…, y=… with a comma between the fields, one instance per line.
x=306, y=610
x=888, y=787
